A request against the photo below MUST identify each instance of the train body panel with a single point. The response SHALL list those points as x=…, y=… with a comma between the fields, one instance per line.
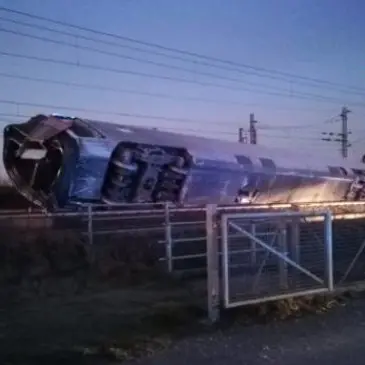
x=56, y=160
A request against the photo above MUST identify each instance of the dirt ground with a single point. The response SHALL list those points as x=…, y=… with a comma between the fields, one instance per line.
x=334, y=338
x=61, y=302
x=58, y=307
x=162, y=321
x=98, y=324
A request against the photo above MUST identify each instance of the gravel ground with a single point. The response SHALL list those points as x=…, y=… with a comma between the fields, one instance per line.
x=157, y=324
x=333, y=338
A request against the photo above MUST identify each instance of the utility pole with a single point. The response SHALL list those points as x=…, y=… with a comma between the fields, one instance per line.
x=253, y=131
x=342, y=137
x=242, y=136
x=345, y=132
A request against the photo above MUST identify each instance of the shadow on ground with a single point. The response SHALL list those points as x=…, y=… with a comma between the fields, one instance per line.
x=102, y=324
x=99, y=323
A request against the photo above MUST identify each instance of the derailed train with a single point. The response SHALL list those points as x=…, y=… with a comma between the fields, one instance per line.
x=56, y=161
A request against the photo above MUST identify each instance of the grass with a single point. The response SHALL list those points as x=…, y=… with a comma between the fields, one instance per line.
x=106, y=322
x=101, y=322
x=59, y=307
x=62, y=302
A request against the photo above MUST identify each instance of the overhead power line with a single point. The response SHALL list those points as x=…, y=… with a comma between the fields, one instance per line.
x=154, y=63
x=333, y=119
x=24, y=117
x=94, y=67
x=156, y=95
x=120, y=114
x=148, y=51
x=88, y=86
x=120, y=90
x=195, y=55
x=145, y=61
x=20, y=117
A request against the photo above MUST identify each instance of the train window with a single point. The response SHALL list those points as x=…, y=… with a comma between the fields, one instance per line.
x=358, y=172
x=243, y=160
x=343, y=171
x=339, y=171
x=268, y=163
x=335, y=171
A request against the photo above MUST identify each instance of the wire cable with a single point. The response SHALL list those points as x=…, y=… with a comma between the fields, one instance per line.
x=182, y=52
x=96, y=111
x=318, y=98
x=333, y=119
x=119, y=90
x=88, y=86
x=23, y=117
x=104, y=42
x=153, y=63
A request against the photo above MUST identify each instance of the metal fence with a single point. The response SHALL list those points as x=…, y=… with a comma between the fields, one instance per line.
x=348, y=251
x=247, y=254
x=269, y=256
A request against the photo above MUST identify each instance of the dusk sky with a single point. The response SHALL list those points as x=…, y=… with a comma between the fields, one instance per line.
x=316, y=39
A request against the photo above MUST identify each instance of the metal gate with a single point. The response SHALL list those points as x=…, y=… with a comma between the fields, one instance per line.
x=276, y=255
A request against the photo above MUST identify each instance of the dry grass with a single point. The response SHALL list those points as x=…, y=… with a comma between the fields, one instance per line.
x=63, y=303
x=101, y=322
x=64, y=299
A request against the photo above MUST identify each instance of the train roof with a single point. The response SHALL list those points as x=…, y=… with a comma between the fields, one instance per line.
x=213, y=149
x=210, y=148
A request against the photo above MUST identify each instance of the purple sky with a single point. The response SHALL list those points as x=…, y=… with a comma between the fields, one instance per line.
x=322, y=39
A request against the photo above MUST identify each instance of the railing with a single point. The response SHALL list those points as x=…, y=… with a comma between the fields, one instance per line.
x=282, y=255
x=255, y=253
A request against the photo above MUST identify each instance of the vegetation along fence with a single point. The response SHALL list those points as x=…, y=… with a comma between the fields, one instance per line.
x=247, y=254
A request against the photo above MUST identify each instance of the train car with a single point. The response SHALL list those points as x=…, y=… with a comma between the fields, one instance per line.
x=55, y=161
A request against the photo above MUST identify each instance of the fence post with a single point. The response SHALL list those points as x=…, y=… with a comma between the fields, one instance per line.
x=168, y=239
x=212, y=263
x=283, y=248
x=329, y=249
x=90, y=224
x=253, y=246
x=294, y=243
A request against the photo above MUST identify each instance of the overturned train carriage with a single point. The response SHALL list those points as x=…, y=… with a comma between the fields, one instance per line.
x=55, y=161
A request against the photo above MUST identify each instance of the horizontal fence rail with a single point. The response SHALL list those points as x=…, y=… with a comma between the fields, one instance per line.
x=257, y=252
x=275, y=255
